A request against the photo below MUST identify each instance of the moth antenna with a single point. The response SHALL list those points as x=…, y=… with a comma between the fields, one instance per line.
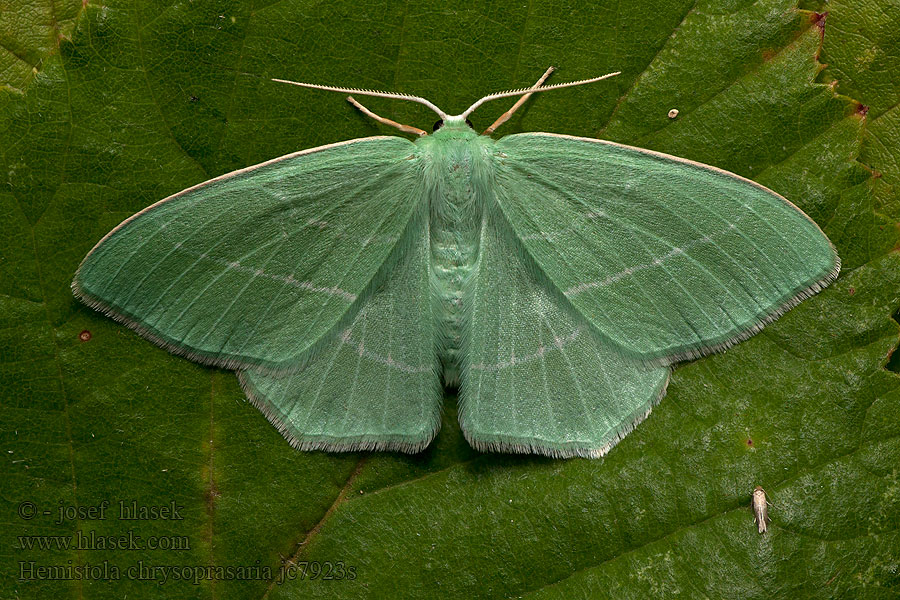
x=532, y=90
x=505, y=116
x=362, y=92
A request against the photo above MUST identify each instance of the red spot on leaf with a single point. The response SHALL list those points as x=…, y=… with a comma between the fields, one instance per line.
x=852, y=291
x=749, y=443
x=85, y=336
x=862, y=109
x=818, y=19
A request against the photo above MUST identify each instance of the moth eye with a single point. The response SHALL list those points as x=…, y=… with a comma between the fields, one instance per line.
x=438, y=125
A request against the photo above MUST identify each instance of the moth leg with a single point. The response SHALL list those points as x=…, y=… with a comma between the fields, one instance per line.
x=505, y=116
x=400, y=126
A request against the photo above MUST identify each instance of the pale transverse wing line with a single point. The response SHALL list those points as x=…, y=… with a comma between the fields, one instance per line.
x=202, y=273
x=560, y=407
x=255, y=272
x=659, y=261
x=390, y=345
x=651, y=301
x=668, y=267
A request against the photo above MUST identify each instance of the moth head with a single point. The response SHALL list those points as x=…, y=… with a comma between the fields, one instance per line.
x=445, y=119
x=440, y=123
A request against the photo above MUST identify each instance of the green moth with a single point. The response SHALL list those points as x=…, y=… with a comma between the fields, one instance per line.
x=554, y=279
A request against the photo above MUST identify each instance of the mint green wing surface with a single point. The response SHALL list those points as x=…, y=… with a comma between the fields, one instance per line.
x=253, y=268
x=669, y=259
x=535, y=376
x=374, y=386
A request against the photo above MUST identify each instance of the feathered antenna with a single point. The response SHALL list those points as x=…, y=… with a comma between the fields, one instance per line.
x=531, y=90
x=376, y=93
x=442, y=114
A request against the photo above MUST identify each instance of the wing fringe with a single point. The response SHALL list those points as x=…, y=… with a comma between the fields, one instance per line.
x=509, y=445
x=773, y=315
x=405, y=444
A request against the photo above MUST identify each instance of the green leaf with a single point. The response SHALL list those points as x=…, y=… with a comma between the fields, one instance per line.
x=148, y=98
x=29, y=32
x=866, y=65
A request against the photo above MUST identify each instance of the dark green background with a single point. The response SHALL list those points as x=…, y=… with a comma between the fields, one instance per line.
x=109, y=107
